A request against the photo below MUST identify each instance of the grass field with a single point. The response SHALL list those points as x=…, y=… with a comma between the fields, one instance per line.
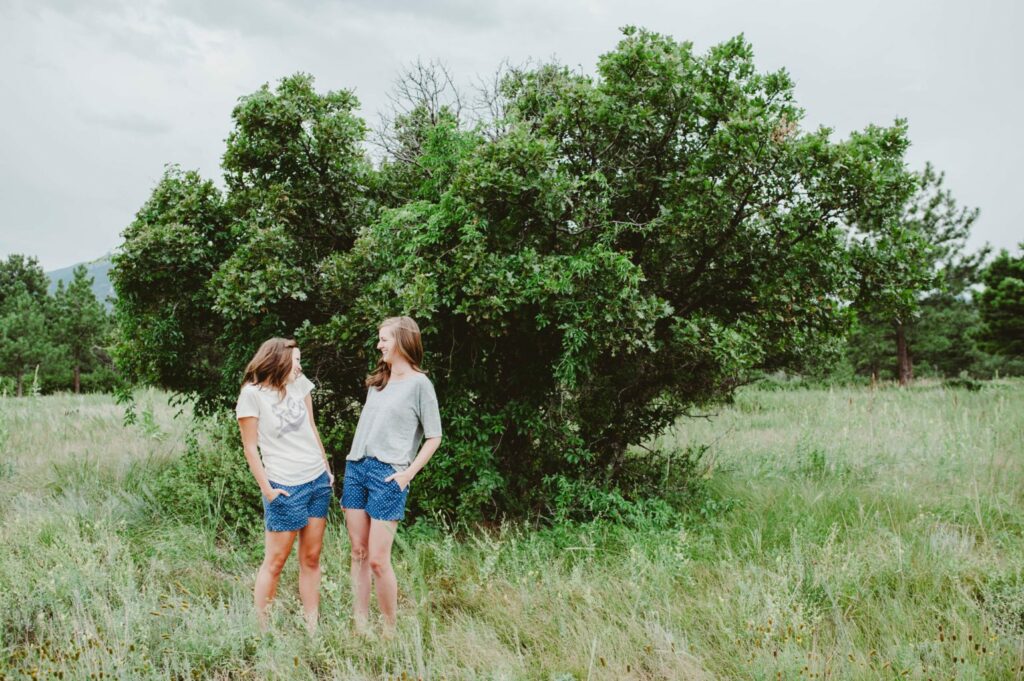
x=848, y=534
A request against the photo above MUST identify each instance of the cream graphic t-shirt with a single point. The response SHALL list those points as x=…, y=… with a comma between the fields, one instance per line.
x=288, y=446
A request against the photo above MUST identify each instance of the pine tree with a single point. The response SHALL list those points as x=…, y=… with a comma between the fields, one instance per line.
x=1002, y=304
x=25, y=341
x=80, y=321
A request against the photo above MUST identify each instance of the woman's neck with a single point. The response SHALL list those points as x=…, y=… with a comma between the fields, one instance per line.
x=401, y=369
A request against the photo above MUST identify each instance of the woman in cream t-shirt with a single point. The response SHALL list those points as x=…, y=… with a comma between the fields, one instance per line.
x=284, y=452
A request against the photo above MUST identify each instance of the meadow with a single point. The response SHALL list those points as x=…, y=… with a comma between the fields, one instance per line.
x=845, y=533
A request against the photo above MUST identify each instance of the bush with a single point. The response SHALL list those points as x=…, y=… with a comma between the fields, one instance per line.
x=103, y=379
x=651, y=488
x=210, y=484
x=963, y=383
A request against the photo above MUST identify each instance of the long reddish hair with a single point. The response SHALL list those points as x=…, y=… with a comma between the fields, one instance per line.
x=407, y=341
x=271, y=366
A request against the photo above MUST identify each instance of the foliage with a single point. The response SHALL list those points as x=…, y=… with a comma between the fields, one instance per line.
x=1002, y=304
x=80, y=321
x=210, y=484
x=610, y=253
x=945, y=337
x=19, y=273
x=53, y=338
x=25, y=342
x=160, y=276
x=913, y=302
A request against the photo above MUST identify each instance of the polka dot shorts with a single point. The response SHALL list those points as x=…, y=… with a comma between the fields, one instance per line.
x=364, y=488
x=290, y=513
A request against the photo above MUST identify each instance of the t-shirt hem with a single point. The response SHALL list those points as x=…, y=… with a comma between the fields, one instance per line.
x=397, y=466
x=300, y=481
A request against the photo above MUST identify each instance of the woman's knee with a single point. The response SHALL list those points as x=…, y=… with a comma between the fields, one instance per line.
x=380, y=564
x=359, y=553
x=310, y=559
x=274, y=563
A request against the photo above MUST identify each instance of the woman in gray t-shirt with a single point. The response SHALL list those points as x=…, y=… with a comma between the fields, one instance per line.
x=399, y=416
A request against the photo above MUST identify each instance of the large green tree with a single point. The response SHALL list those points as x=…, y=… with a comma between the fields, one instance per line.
x=202, y=276
x=612, y=252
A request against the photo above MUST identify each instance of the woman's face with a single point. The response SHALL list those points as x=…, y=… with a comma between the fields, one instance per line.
x=386, y=343
x=296, y=366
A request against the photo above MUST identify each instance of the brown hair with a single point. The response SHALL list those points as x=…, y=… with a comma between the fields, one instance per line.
x=407, y=342
x=271, y=365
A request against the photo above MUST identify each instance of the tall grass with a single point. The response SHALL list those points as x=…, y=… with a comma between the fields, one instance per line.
x=848, y=534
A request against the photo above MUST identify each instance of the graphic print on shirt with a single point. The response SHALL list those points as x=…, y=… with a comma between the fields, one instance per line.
x=290, y=413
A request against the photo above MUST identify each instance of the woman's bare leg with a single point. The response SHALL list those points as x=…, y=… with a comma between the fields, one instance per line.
x=277, y=546
x=311, y=541
x=357, y=522
x=382, y=535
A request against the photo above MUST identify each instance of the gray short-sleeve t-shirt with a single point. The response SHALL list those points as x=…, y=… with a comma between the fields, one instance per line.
x=395, y=420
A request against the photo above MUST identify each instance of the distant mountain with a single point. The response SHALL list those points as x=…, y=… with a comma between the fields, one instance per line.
x=99, y=271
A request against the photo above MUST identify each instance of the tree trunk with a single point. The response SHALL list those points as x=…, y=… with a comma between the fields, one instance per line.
x=78, y=379
x=20, y=392
x=904, y=367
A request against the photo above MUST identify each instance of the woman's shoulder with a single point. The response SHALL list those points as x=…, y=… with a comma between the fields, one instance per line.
x=302, y=386
x=422, y=381
x=248, y=404
x=413, y=379
x=250, y=389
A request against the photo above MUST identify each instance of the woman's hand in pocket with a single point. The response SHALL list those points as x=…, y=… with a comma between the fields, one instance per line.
x=274, y=494
x=402, y=478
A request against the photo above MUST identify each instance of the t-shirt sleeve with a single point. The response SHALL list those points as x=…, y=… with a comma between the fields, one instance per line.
x=430, y=416
x=248, y=404
x=303, y=386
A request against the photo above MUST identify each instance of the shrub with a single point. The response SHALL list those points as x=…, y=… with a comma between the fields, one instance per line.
x=210, y=484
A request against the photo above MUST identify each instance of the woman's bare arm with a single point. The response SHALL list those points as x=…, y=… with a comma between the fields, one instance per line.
x=403, y=478
x=316, y=431
x=248, y=426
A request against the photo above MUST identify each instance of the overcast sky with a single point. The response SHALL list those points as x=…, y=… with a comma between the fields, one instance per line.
x=97, y=96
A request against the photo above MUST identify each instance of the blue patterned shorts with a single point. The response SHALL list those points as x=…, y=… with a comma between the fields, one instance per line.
x=364, y=488
x=290, y=513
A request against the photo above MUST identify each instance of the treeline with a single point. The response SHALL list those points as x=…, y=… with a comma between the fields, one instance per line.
x=52, y=342
x=970, y=325
x=944, y=313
